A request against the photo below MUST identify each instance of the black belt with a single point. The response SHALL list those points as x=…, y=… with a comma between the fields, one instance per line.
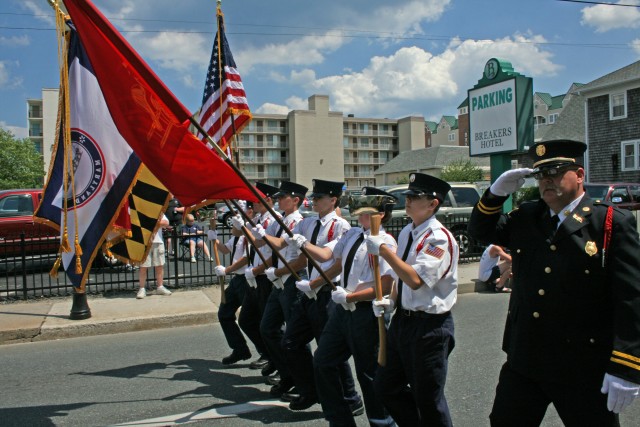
x=421, y=314
x=364, y=304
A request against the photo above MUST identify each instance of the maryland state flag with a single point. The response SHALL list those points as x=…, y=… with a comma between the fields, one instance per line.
x=147, y=204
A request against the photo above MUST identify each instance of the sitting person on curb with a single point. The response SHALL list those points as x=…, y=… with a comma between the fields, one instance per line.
x=155, y=259
x=194, y=237
x=495, y=268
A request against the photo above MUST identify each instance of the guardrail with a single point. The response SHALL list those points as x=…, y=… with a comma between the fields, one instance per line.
x=25, y=275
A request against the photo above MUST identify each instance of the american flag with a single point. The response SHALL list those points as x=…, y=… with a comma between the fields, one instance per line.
x=224, y=103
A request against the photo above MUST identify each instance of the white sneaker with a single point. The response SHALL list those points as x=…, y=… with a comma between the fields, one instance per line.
x=211, y=259
x=193, y=259
x=142, y=292
x=161, y=290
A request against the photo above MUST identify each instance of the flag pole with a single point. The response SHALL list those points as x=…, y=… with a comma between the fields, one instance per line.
x=261, y=199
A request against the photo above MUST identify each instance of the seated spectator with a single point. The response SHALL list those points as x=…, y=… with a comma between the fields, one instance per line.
x=495, y=268
x=194, y=237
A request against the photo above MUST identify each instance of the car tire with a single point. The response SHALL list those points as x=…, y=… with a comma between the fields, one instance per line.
x=226, y=220
x=465, y=241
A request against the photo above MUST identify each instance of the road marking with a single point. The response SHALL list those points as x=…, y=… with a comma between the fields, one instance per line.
x=209, y=414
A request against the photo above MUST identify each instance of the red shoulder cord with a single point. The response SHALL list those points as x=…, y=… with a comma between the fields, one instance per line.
x=330, y=233
x=608, y=226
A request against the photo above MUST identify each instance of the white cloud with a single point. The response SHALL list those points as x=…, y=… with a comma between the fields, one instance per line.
x=15, y=41
x=179, y=52
x=413, y=78
x=18, y=132
x=605, y=18
x=292, y=103
x=42, y=14
x=7, y=81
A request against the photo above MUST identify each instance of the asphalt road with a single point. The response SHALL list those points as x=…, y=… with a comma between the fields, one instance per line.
x=175, y=374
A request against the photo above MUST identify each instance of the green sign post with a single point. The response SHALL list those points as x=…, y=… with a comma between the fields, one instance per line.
x=500, y=116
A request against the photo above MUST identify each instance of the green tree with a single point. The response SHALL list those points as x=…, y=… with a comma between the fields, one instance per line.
x=21, y=166
x=402, y=180
x=461, y=171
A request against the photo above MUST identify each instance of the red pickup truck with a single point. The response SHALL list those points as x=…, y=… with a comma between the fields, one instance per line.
x=16, y=217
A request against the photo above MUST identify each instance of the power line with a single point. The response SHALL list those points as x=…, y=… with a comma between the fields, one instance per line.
x=600, y=3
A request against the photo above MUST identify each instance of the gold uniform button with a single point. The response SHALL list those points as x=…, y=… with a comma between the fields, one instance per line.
x=547, y=269
x=536, y=314
x=553, y=247
x=541, y=292
x=592, y=341
x=586, y=272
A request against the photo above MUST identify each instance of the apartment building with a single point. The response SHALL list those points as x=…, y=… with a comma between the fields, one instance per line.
x=42, y=115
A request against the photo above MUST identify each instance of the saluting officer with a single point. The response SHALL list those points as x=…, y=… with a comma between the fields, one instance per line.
x=352, y=328
x=420, y=336
x=573, y=329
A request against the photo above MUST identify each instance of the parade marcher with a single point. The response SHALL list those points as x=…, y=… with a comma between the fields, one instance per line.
x=309, y=314
x=234, y=294
x=572, y=336
x=352, y=328
x=421, y=334
x=255, y=298
x=281, y=298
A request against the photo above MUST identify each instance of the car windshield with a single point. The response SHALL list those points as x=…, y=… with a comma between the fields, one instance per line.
x=596, y=191
x=465, y=197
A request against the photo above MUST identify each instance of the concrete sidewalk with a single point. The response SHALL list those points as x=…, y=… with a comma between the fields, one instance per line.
x=48, y=319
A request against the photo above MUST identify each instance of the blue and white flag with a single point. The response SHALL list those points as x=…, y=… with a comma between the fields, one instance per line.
x=104, y=167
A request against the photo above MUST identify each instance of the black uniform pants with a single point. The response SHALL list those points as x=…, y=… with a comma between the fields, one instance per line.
x=253, y=304
x=276, y=313
x=307, y=321
x=523, y=401
x=349, y=333
x=412, y=383
x=234, y=294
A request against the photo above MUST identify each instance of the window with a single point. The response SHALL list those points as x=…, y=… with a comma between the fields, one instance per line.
x=618, y=106
x=553, y=118
x=16, y=205
x=629, y=154
x=452, y=137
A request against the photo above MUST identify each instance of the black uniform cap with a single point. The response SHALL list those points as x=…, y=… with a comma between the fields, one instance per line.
x=289, y=188
x=326, y=188
x=556, y=154
x=421, y=184
x=266, y=189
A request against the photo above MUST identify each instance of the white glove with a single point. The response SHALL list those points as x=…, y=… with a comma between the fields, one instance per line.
x=238, y=222
x=373, y=244
x=271, y=274
x=621, y=392
x=385, y=305
x=509, y=182
x=339, y=296
x=212, y=235
x=251, y=278
x=304, y=286
x=258, y=232
x=297, y=239
x=220, y=270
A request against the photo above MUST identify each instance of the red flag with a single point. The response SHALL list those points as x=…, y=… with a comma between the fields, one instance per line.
x=224, y=108
x=149, y=117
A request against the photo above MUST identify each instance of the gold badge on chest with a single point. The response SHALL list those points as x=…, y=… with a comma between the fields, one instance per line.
x=590, y=248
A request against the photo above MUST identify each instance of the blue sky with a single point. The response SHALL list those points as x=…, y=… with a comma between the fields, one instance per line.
x=373, y=58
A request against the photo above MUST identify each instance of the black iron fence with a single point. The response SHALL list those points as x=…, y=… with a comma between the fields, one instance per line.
x=25, y=263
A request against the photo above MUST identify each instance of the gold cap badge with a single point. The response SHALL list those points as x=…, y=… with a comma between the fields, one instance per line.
x=540, y=150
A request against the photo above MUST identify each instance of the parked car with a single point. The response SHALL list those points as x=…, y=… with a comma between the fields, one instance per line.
x=454, y=212
x=16, y=217
x=621, y=194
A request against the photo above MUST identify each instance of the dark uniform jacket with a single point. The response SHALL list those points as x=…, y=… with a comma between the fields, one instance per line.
x=570, y=319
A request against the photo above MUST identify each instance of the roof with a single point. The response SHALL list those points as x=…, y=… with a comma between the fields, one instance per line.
x=432, y=157
x=629, y=73
x=570, y=123
x=432, y=126
x=452, y=121
x=465, y=103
